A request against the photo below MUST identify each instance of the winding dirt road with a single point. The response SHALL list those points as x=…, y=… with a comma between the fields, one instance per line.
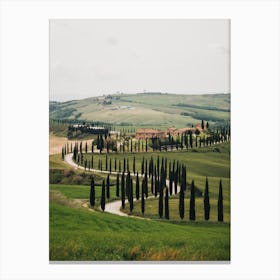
x=114, y=206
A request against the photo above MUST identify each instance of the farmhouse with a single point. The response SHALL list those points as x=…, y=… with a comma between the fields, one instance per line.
x=148, y=133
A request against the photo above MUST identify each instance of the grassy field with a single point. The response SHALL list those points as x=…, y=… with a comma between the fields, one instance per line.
x=148, y=110
x=78, y=234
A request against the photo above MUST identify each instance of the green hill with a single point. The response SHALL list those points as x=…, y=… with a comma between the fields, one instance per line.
x=146, y=109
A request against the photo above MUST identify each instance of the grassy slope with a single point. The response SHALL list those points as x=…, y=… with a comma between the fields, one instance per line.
x=149, y=110
x=77, y=234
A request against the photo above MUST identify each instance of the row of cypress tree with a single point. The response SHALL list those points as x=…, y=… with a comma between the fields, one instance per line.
x=125, y=189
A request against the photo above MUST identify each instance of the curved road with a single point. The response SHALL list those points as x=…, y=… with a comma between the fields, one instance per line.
x=114, y=206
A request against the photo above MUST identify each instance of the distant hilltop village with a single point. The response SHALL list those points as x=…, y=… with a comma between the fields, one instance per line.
x=149, y=133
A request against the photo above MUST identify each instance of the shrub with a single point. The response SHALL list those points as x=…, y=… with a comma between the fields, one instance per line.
x=68, y=172
x=77, y=179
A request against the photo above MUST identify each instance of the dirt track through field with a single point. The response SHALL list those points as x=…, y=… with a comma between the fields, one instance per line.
x=114, y=206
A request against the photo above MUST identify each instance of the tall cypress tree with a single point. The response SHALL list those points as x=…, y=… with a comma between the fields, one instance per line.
x=192, y=203
x=137, y=187
x=220, y=204
x=206, y=201
x=110, y=166
x=92, y=161
x=182, y=203
x=127, y=182
x=131, y=196
x=122, y=191
x=92, y=192
x=86, y=148
x=62, y=153
x=108, y=187
x=142, y=198
x=142, y=166
x=146, y=185
x=166, y=208
x=118, y=186
x=102, y=203
x=134, y=170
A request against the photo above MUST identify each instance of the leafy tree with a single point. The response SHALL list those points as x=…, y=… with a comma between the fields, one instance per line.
x=118, y=186
x=92, y=192
x=102, y=203
x=137, y=187
x=122, y=191
x=220, y=204
x=206, y=201
x=108, y=186
x=192, y=203
x=166, y=208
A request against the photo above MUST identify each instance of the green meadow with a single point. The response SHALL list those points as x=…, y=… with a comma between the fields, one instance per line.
x=79, y=233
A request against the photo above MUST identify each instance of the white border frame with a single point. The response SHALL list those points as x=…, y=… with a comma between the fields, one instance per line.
x=24, y=94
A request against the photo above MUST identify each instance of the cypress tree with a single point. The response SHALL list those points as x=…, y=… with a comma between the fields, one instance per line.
x=92, y=192
x=127, y=182
x=92, y=146
x=86, y=148
x=102, y=203
x=62, y=153
x=131, y=195
x=142, y=166
x=160, y=201
x=202, y=124
x=192, y=203
x=92, y=161
x=152, y=183
x=206, y=201
x=71, y=148
x=182, y=203
x=146, y=185
x=133, y=165
x=142, y=198
x=108, y=187
x=110, y=166
x=124, y=165
x=137, y=187
x=118, y=186
x=115, y=165
x=156, y=182
x=127, y=165
x=220, y=204
x=166, y=208
x=122, y=191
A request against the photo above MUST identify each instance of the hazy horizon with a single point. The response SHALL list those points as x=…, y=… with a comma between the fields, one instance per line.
x=135, y=93
x=95, y=57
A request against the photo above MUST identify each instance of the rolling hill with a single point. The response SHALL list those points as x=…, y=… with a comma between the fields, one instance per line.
x=146, y=109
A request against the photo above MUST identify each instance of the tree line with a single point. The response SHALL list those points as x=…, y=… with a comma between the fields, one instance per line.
x=125, y=190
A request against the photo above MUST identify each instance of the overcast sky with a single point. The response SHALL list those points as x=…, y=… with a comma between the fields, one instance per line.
x=95, y=57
